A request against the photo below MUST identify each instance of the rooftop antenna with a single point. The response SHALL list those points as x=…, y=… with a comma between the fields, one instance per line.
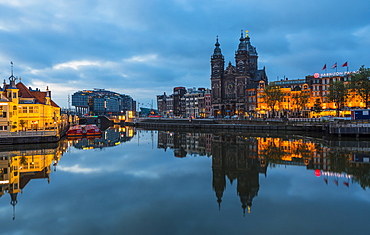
x=11, y=66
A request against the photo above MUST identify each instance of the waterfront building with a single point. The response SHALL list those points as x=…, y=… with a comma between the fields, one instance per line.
x=23, y=108
x=295, y=101
x=320, y=83
x=195, y=102
x=251, y=100
x=229, y=85
x=300, y=96
x=161, y=103
x=185, y=103
x=171, y=105
x=102, y=102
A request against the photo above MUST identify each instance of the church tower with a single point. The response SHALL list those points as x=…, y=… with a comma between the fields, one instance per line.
x=217, y=71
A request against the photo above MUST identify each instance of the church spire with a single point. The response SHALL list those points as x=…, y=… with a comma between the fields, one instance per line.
x=13, y=202
x=242, y=48
x=12, y=79
x=217, y=50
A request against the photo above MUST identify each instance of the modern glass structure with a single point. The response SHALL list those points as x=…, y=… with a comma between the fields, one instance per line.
x=101, y=102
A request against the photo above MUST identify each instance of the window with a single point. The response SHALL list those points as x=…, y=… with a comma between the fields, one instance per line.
x=2, y=113
x=31, y=109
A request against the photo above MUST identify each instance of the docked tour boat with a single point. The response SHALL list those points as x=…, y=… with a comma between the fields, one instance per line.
x=83, y=130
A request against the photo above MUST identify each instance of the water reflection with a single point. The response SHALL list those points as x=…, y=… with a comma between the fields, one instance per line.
x=22, y=164
x=242, y=158
x=237, y=158
x=112, y=136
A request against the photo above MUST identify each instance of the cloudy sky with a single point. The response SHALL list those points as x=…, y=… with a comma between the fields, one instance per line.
x=146, y=47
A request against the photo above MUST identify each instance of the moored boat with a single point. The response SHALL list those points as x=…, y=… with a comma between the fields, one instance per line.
x=83, y=130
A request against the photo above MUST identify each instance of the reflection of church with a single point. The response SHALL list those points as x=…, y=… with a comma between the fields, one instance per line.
x=19, y=167
x=233, y=157
x=241, y=158
x=236, y=158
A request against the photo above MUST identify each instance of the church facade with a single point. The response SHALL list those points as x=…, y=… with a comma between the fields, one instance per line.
x=230, y=84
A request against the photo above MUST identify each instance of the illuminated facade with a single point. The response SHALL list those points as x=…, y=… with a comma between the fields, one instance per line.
x=300, y=96
x=22, y=108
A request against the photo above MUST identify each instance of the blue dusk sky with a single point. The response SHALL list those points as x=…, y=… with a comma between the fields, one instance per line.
x=144, y=48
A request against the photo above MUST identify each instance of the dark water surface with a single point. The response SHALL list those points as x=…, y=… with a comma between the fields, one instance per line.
x=155, y=182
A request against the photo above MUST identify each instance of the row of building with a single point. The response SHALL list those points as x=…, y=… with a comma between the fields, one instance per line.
x=184, y=102
x=238, y=90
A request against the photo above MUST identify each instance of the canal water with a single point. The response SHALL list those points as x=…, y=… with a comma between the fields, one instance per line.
x=167, y=182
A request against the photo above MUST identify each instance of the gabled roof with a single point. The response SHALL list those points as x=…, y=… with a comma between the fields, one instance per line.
x=40, y=97
x=24, y=92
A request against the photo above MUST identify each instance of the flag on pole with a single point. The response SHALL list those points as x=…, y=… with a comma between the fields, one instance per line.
x=345, y=64
x=323, y=68
x=334, y=66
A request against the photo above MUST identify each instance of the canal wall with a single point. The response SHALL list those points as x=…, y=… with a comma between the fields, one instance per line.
x=209, y=124
x=28, y=140
x=33, y=137
x=339, y=128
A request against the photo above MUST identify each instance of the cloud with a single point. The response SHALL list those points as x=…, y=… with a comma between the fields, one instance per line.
x=76, y=64
x=77, y=169
x=157, y=45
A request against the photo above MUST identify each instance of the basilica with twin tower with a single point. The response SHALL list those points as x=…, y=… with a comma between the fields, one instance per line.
x=233, y=86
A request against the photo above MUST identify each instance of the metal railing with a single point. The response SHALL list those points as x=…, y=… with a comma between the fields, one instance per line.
x=29, y=133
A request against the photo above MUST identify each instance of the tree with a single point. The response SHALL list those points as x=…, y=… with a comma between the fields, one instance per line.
x=338, y=93
x=300, y=100
x=360, y=83
x=22, y=123
x=317, y=106
x=272, y=96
